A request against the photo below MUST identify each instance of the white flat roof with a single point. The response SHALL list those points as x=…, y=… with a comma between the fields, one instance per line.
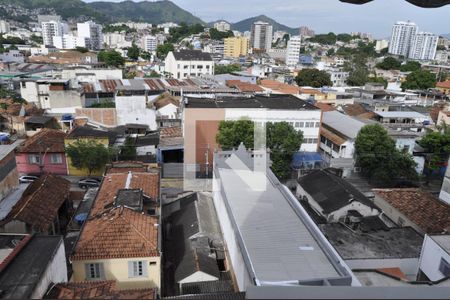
x=344, y=124
x=401, y=114
x=279, y=244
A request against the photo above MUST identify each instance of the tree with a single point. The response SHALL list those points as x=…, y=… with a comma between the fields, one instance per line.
x=82, y=49
x=410, y=66
x=153, y=74
x=111, y=58
x=89, y=155
x=331, y=52
x=324, y=39
x=419, y=80
x=389, y=63
x=164, y=49
x=379, y=158
x=215, y=34
x=377, y=79
x=344, y=37
x=226, y=69
x=437, y=143
x=281, y=138
x=314, y=78
x=133, y=52
x=146, y=55
x=359, y=76
x=36, y=39
x=128, y=150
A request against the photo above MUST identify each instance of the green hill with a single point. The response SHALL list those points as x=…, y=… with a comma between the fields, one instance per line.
x=246, y=25
x=107, y=12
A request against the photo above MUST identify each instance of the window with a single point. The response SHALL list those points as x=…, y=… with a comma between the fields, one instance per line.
x=34, y=159
x=185, y=67
x=94, y=271
x=207, y=67
x=309, y=124
x=317, y=124
x=55, y=159
x=137, y=269
x=297, y=124
x=444, y=267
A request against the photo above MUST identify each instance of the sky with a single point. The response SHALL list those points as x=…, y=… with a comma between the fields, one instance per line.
x=324, y=16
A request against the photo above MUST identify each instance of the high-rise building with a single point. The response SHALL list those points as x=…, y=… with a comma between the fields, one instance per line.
x=402, y=37
x=306, y=32
x=261, y=36
x=222, y=26
x=93, y=32
x=149, y=43
x=4, y=27
x=424, y=46
x=236, y=47
x=51, y=29
x=69, y=41
x=293, y=51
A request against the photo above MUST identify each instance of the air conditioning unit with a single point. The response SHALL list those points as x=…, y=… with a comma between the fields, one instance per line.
x=357, y=169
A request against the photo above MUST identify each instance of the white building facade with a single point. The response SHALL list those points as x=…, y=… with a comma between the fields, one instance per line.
x=402, y=37
x=189, y=63
x=222, y=26
x=51, y=29
x=424, y=46
x=93, y=32
x=261, y=36
x=293, y=51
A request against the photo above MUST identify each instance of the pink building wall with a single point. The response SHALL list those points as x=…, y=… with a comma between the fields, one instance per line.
x=23, y=165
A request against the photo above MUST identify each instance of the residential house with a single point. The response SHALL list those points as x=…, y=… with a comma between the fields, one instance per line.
x=44, y=207
x=171, y=152
x=444, y=87
x=9, y=176
x=120, y=238
x=434, y=262
x=43, y=153
x=167, y=108
x=401, y=117
x=416, y=208
x=86, y=133
x=245, y=87
x=32, y=264
x=13, y=116
x=276, y=87
x=269, y=237
x=60, y=95
x=97, y=290
x=66, y=58
x=194, y=246
x=333, y=197
x=189, y=63
x=35, y=123
x=201, y=118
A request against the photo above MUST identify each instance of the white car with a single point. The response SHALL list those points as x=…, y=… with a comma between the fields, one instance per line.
x=27, y=178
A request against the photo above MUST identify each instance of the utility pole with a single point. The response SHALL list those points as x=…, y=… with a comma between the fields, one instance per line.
x=207, y=160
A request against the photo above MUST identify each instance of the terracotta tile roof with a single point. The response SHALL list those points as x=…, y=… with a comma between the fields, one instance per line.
x=40, y=202
x=354, y=109
x=332, y=136
x=118, y=233
x=166, y=100
x=244, y=86
x=324, y=106
x=280, y=87
x=170, y=132
x=443, y=85
x=310, y=91
x=393, y=272
x=97, y=290
x=420, y=207
x=49, y=140
x=127, y=166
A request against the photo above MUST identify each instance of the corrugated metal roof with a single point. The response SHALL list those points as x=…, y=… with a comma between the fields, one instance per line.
x=344, y=124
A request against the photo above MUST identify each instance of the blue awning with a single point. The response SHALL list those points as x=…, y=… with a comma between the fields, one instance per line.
x=302, y=159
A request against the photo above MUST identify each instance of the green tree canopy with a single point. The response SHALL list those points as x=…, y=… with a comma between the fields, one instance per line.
x=164, y=49
x=111, y=58
x=389, y=63
x=376, y=79
x=379, y=158
x=226, y=69
x=437, y=143
x=133, y=52
x=182, y=31
x=324, y=39
x=82, y=49
x=88, y=154
x=344, y=37
x=410, y=66
x=215, y=34
x=331, y=52
x=128, y=150
x=314, y=78
x=419, y=80
x=282, y=139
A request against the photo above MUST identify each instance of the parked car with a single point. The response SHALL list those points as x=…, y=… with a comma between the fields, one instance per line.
x=86, y=183
x=27, y=178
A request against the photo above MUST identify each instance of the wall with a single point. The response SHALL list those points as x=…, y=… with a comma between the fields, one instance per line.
x=29, y=91
x=117, y=269
x=24, y=167
x=197, y=277
x=56, y=272
x=430, y=259
x=71, y=170
x=407, y=265
x=232, y=249
x=91, y=75
x=63, y=99
x=169, y=111
x=9, y=177
x=105, y=116
x=171, y=66
x=133, y=110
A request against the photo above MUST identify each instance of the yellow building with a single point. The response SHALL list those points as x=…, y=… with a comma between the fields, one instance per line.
x=85, y=134
x=120, y=241
x=236, y=46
